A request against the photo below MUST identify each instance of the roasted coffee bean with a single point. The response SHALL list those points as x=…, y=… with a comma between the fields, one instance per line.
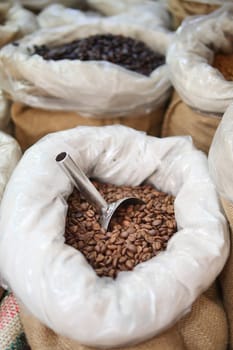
x=127, y=242
x=118, y=49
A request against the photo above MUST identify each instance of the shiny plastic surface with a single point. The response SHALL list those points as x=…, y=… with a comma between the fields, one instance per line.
x=18, y=22
x=10, y=154
x=55, y=282
x=190, y=56
x=90, y=87
x=221, y=156
x=148, y=14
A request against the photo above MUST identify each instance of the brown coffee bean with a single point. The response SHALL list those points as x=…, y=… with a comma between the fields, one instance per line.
x=99, y=258
x=124, y=234
x=157, y=222
x=132, y=248
x=137, y=233
x=129, y=264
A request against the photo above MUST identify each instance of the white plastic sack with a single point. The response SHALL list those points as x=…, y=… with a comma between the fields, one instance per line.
x=221, y=156
x=55, y=282
x=40, y=4
x=17, y=22
x=190, y=56
x=92, y=88
x=211, y=2
x=146, y=12
x=10, y=154
x=58, y=15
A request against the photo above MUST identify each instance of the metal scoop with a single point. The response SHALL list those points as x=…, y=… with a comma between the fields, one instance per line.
x=88, y=190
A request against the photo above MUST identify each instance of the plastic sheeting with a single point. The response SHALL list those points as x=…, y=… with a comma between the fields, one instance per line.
x=10, y=154
x=221, y=156
x=190, y=56
x=40, y=4
x=17, y=22
x=55, y=282
x=148, y=15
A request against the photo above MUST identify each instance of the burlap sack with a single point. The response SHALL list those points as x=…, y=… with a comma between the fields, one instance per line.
x=180, y=119
x=205, y=328
x=226, y=278
x=11, y=330
x=180, y=9
x=1, y=292
x=33, y=123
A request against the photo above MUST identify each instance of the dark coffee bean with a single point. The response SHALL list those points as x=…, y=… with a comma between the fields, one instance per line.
x=118, y=49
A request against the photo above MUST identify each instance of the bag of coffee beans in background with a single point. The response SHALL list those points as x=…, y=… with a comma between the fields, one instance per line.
x=221, y=165
x=204, y=93
x=15, y=22
x=180, y=9
x=66, y=303
x=101, y=71
x=11, y=327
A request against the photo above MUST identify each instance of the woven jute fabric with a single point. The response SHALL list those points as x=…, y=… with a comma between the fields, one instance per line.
x=180, y=9
x=1, y=292
x=180, y=119
x=226, y=277
x=12, y=336
x=204, y=328
x=30, y=124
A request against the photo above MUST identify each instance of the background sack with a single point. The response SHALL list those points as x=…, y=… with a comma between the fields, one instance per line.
x=17, y=22
x=119, y=155
x=30, y=124
x=37, y=5
x=191, y=54
x=101, y=89
x=146, y=14
x=180, y=9
x=221, y=166
x=180, y=119
x=204, y=328
x=10, y=154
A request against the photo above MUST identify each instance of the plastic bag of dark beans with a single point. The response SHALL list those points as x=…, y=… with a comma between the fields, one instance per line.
x=165, y=253
x=98, y=68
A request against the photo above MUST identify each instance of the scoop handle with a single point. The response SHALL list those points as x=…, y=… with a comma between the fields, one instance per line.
x=81, y=181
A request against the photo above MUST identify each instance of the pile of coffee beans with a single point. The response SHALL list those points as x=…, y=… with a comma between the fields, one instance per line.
x=224, y=63
x=123, y=51
x=136, y=234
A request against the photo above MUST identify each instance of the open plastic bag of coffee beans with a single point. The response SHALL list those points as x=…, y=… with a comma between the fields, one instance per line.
x=99, y=73
x=15, y=22
x=221, y=164
x=199, y=76
x=160, y=262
